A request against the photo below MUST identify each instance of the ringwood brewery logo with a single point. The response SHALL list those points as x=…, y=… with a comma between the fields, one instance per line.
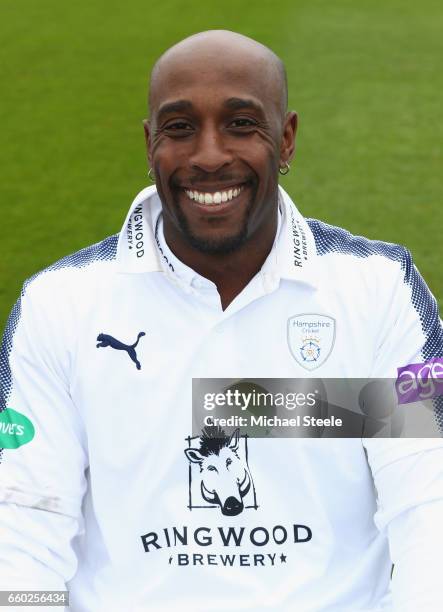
x=135, y=231
x=219, y=475
x=220, y=479
x=311, y=339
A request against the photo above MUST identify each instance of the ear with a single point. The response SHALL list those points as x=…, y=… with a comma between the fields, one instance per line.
x=147, y=130
x=194, y=455
x=287, y=148
x=233, y=441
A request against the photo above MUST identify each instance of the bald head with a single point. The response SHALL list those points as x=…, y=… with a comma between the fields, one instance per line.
x=222, y=50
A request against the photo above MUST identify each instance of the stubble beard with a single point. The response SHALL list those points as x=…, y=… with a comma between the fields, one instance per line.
x=220, y=246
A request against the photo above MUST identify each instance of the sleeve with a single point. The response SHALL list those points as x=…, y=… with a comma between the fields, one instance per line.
x=42, y=482
x=408, y=472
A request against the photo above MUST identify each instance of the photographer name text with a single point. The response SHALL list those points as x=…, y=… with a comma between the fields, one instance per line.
x=272, y=421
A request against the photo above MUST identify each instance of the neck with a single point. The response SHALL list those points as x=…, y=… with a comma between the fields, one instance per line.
x=230, y=272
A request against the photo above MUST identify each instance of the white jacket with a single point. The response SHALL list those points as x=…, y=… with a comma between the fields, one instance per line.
x=101, y=499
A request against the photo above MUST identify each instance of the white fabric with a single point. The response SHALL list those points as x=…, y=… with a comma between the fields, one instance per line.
x=107, y=464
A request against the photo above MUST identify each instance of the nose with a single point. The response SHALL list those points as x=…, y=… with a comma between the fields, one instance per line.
x=210, y=153
x=232, y=506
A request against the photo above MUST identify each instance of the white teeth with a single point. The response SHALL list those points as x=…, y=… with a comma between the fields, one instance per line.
x=213, y=198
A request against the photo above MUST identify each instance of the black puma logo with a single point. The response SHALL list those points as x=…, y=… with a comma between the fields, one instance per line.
x=106, y=340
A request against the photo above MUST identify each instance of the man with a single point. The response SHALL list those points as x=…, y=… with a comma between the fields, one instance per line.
x=210, y=277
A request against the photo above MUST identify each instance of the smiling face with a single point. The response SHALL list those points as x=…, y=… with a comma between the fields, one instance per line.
x=216, y=138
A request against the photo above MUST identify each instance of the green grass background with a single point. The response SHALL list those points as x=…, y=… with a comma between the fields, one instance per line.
x=365, y=77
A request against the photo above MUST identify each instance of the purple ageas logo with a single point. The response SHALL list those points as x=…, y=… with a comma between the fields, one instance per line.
x=419, y=381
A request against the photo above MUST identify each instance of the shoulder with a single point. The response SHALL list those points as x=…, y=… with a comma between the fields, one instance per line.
x=50, y=300
x=330, y=239
x=57, y=292
x=381, y=263
x=80, y=267
x=386, y=263
x=386, y=272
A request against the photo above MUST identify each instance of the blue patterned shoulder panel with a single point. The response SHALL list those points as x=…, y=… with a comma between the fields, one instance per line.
x=102, y=251
x=331, y=239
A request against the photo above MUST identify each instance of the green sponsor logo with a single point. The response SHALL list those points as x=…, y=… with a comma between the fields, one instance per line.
x=15, y=429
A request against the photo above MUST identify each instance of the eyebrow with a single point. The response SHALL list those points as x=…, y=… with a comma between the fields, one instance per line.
x=241, y=103
x=177, y=106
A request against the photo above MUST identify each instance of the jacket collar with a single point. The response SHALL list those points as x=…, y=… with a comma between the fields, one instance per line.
x=293, y=256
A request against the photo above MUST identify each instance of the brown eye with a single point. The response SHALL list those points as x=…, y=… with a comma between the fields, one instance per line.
x=243, y=122
x=178, y=126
